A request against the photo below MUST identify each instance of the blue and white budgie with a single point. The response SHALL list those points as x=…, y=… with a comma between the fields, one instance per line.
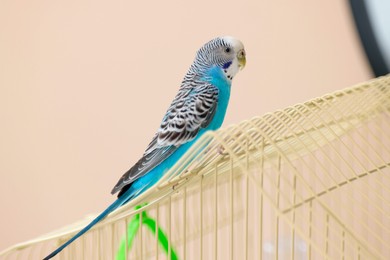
x=199, y=106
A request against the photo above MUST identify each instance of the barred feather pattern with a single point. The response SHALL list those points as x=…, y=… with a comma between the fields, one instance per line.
x=191, y=110
x=200, y=104
x=207, y=56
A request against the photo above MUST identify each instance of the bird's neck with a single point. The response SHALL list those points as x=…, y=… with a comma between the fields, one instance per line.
x=216, y=77
x=212, y=75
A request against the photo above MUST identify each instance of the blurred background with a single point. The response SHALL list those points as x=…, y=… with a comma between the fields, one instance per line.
x=84, y=86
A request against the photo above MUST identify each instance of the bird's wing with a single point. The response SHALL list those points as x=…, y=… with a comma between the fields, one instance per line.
x=192, y=109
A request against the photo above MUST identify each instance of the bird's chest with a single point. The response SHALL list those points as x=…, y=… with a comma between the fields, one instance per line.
x=219, y=80
x=222, y=104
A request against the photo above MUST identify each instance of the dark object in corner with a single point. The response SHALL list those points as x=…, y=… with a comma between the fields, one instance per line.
x=368, y=38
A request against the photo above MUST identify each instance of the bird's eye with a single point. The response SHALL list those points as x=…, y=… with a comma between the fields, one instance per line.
x=227, y=50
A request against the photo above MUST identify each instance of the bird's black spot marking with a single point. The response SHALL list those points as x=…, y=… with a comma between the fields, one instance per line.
x=227, y=65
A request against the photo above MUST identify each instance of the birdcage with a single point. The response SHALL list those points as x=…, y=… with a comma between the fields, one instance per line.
x=311, y=181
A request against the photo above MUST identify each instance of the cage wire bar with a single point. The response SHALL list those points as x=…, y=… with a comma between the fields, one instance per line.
x=311, y=181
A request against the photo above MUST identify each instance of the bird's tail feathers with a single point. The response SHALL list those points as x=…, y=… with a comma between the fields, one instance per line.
x=116, y=204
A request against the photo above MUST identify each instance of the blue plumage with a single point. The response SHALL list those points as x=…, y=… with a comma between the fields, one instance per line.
x=199, y=106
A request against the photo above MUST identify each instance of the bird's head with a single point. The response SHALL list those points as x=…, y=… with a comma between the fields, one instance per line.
x=225, y=53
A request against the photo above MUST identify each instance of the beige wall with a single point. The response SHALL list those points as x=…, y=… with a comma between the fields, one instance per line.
x=84, y=85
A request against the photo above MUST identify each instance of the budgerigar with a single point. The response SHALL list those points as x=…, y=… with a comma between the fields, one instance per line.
x=199, y=106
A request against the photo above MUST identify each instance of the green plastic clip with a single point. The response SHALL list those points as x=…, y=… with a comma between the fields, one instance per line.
x=132, y=230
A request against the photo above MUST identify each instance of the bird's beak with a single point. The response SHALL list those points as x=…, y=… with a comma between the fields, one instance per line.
x=241, y=59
